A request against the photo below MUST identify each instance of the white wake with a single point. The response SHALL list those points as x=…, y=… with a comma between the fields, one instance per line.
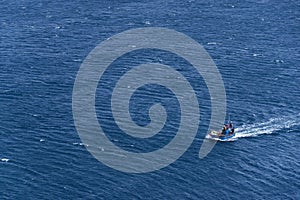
x=267, y=127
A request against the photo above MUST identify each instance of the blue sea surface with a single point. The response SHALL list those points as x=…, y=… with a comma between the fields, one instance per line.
x=256, y=47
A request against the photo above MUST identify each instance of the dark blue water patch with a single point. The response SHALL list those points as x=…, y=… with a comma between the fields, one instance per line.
x=140, y=103
x=145, y=97
x=148, y=95
x=255, y=45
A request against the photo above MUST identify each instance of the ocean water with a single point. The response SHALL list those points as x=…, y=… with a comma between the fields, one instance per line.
x=255, y=45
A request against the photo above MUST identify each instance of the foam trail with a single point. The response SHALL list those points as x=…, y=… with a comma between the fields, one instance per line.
x=268, y=127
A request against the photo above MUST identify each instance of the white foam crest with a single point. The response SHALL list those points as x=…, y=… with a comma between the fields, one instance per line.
x=4, y=159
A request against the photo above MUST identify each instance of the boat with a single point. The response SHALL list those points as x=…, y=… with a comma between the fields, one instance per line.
x=226, y=134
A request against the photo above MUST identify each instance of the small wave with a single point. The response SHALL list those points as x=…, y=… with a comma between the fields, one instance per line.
x=147, y=22
x=4, y=159
x=77, y=143
x=211, y=43
x=268, y=127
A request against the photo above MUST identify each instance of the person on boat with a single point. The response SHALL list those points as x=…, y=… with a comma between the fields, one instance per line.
x=227, y=129
x=232, y=131
x=224, y=129
x=227, y=132
x=231, y=128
